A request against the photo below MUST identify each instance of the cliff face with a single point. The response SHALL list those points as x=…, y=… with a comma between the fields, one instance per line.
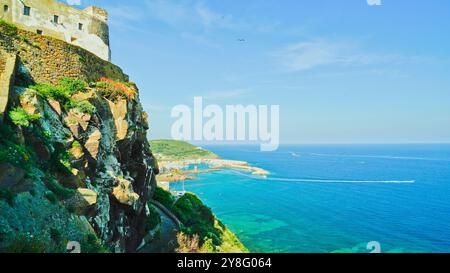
x=75, y=164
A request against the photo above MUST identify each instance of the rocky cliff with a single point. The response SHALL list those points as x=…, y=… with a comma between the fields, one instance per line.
x=75, y=164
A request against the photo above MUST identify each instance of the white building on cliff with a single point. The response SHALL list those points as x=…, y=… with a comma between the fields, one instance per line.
x=86, y=28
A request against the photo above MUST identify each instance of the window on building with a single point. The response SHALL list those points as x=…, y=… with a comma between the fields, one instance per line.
x=39, y=32
x=26, y=10
x=80, y=26
x=55, y=19
x=5, y=8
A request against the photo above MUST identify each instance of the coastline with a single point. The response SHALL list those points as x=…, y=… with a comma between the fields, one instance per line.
x=177, y=170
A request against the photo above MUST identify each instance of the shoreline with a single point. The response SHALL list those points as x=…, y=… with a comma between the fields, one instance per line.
x=173, y=171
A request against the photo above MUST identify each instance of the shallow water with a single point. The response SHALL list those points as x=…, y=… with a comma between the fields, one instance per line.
x=325, y=198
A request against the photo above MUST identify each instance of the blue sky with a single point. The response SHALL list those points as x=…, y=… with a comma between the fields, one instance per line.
x=342, y=71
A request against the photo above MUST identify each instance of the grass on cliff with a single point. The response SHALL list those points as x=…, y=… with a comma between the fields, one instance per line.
x=12, y=150
x=7, y=29
x=202, y=231
x=63, y=91
x=20, y=117
x=171, y=150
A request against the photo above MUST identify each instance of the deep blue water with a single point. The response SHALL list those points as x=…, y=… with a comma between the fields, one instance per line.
x=325, y=198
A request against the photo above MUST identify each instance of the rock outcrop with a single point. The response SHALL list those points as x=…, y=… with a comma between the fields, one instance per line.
x=81, y=160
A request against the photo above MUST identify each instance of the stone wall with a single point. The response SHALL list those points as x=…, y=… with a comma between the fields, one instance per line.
x=48, y=59
x=86, y=28
x=7, y=69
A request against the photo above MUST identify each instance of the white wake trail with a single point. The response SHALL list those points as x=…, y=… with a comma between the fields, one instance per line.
x=341, y=181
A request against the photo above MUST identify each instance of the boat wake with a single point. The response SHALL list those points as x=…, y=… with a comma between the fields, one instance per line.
x=341, y=181
x=309, y=180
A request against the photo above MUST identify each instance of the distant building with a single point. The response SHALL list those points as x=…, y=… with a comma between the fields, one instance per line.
x=86, y=28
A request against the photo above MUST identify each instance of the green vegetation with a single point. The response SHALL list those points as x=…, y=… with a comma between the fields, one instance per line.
x=21, y=118
x=201, y=230
x=153, y=220
x=197, y=218
x=26, y=243
x=8, y=196
x=18, y=155
x=59, y=162
x=76, y=145
x=71, y=86
x=11, y=150
x=91, y=244
x=60, y=192
x=164, y=197
x=54, y=242
x=63, y=94
x=7, y=29
x=55, y=235
x=83, y=106
x=170, y=150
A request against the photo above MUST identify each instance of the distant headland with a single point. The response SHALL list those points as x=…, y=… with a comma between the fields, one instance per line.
x=175, y=157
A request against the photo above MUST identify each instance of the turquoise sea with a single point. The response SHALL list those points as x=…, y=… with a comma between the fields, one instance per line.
x=326, y=198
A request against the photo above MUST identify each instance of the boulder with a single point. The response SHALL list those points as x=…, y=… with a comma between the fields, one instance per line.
x=41, y=149
x=74, y=181
x=89, y=197
x=29, y=102
x=76, y=119
x=124, y=193
x=82, y=201
x=93, y=143
x=80, y=96
x=13, y=178
x=56, y=106
x=119, y=111
x=10, y=176
x=145, y=120
x=76, y=152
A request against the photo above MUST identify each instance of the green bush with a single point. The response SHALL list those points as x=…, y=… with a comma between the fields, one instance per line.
x=91, y=244
x=153, y=220
x=61, y=192
x=72, y=86
x=197, y=218
x=55, y=235
x=3, y=155
x=164, y=197
x=7, y=29
x=8, y=196
x=76, y=145
x=59, y=162
x=18, y=155
x=51, y=197
x=48, y=91
x=26, y=243
x=21, y=118
x=83, y=106
x=63, y=94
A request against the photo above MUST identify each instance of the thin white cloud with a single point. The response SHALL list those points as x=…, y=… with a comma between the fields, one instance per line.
x=183, y=13
x=374, y=2
x=212, y=19
x=308, y=55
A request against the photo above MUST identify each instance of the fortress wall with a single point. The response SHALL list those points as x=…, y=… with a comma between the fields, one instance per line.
x=86, y=28
x=7, y=71
x=49, y=59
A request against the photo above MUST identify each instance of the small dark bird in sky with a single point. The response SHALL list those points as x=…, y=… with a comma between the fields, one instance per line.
x=241, y=40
